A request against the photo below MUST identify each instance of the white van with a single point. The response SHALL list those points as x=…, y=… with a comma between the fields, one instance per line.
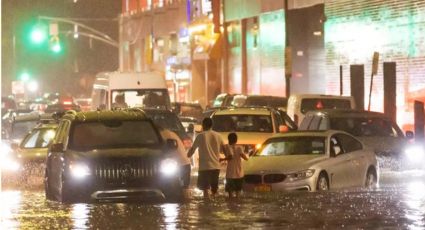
x=300, y=104
x=119, y=89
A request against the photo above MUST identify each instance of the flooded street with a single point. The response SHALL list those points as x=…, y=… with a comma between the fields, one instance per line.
x=399, y=203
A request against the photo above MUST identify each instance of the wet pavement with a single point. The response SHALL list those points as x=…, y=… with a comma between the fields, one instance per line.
x=398, y=203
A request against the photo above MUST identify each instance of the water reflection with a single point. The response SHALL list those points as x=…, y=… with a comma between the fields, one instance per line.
x=170, y=212
x=10, y=204
x=80, y=215
x=415, y=200
x=398, y=204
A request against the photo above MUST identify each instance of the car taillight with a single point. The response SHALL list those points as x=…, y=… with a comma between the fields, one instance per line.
x=187, y=143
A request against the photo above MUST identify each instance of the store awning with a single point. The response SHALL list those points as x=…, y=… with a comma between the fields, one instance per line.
x=208, y=51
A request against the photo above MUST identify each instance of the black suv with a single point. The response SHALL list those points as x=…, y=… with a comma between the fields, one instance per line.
x=111, y=155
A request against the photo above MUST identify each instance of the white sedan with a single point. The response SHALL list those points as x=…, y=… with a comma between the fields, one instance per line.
x=311, y=161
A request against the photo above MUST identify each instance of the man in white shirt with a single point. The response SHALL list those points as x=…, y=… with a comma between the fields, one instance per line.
x=209, y=144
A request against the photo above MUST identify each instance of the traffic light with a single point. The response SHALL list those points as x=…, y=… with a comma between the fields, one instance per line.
x=55, y=44
x=24, y=76
x=38, y=34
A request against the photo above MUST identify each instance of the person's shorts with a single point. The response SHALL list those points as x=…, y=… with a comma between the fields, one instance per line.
x=185, y=175
x=208, y=179
x=233, y=184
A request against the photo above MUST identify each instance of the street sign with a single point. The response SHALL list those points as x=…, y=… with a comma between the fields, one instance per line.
x=53, y=29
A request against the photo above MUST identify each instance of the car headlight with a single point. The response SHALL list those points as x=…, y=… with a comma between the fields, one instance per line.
x=169, y=167
x=10, y=165
x=415, y=153
x=5, y=149
x=257, y=146
x=79, y=170
x=300, y=175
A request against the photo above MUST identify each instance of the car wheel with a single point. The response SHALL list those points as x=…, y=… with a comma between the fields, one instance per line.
x=371, y=179
x=322, y=182
x=65, y=196
x=47, y=188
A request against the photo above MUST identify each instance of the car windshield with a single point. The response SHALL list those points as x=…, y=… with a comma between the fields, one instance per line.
x=301, y=145
x=190, y=111
x=21, y=128
x=142, y=98
x=113, y=134
x=364, y=126
x=242, y=123
x=167, y=120
x=218, y=100
x=39, y=138
x=324, y=103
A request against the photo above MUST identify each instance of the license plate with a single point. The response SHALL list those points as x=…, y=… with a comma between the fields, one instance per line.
x=263, y=188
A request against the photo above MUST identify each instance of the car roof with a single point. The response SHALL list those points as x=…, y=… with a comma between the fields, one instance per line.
x=105, y=115
x=347, y=113
x=318, y=133
x=319, y=96
x=244, y=110
x=46, y=126
x=27, y=117
x=156, y=111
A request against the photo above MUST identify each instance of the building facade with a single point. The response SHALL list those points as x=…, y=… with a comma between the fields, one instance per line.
x=238, y=46
x=395, y=29
x=171, y=37
x=258, y=31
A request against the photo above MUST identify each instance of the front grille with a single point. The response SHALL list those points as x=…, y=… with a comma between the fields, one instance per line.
x=274, y=178
x=126, y=169
x=252, y=179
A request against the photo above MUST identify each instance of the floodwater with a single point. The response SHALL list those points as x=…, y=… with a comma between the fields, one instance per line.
x=398, y=203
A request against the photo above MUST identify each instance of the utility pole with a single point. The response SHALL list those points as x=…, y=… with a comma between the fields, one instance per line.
x=288, y=53
x=94, y=34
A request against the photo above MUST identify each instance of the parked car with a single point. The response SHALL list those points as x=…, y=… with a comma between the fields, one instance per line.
x=169, y=120
x=260, y=100
x=185, y=109
x=111, y=155
x=310, y=161
x=374, y=129
x=253, y=125
x=27, y=160
x=223, y=100
x=15, y=127
x=300, y=104
x=62, y=107
x=7, y=120
x=84, y=103
x=7, y=103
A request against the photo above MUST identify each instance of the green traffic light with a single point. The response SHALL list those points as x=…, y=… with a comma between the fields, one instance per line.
x=57, y=48
x=38, y=35
x=25, y=77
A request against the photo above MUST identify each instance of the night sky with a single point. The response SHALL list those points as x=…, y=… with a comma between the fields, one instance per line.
x=58, y=72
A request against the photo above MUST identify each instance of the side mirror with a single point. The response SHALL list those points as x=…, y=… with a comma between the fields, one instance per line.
x=198, y=128
x=283, y=128
x=171, y=144
x=410, y=135
x=57, y=147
